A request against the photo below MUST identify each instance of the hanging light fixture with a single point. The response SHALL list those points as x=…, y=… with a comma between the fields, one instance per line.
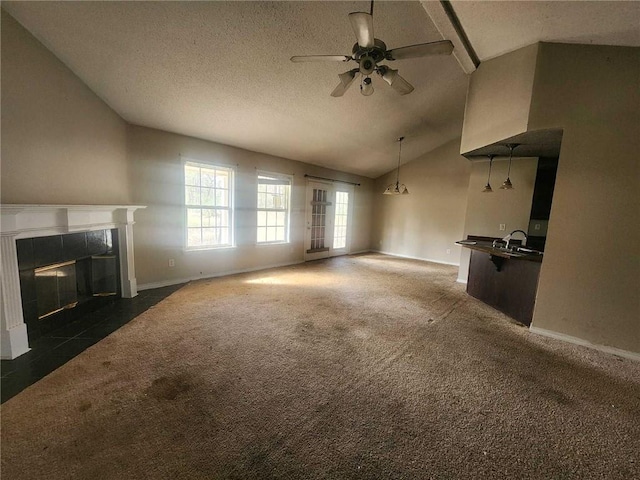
x=396, y=188
x=507, y=185
x=487, y=187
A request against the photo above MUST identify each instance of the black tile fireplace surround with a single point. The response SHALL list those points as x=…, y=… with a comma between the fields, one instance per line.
x=87, y=267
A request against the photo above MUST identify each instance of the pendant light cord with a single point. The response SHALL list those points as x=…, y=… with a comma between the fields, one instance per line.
x=399, y=153
x=490, y=163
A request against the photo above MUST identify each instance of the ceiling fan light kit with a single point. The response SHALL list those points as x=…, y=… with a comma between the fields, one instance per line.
x=369, y=51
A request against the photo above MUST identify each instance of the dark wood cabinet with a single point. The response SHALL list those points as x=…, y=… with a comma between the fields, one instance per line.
x=512, y=290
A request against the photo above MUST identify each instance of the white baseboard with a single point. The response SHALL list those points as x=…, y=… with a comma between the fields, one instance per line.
x=416, y=258
x=177, y=281
x=461, y=280
x=585, y=343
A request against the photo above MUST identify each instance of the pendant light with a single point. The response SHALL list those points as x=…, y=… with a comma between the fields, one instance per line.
x=396, y=188
x=507, y=185
x=487, y=187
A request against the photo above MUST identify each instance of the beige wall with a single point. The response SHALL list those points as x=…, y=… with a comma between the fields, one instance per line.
x=590, y=279
x=486, y=211
x=499, y=98
x=61, y=144
x=157, y=168
x=427, y=222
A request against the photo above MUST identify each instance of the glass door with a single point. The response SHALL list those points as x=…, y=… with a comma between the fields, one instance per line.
x=329, y=212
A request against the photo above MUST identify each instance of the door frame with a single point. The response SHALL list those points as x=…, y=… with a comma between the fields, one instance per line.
x=331, y=188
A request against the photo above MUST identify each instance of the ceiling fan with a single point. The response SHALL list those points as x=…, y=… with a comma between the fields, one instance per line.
x=368, y=52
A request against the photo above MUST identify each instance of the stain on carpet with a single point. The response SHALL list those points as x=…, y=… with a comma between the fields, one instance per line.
x=84, y=406
x=557, y=396
x=168, y=388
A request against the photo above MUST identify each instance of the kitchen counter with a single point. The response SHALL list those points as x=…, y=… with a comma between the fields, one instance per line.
x=487, y=247
x=504, y=279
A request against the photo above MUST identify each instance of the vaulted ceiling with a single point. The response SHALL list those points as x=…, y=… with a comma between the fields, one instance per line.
x=221, y=71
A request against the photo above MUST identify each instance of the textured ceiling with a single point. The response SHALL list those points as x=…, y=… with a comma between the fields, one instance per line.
x=221, y=71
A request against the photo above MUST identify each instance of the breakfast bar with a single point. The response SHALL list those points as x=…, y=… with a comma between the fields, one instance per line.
x=504, y=278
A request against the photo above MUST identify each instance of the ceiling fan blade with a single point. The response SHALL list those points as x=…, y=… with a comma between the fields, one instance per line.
x=320, y=58
x=398, y=83
x=362, y=24
x=346, y=79
x=443, y=47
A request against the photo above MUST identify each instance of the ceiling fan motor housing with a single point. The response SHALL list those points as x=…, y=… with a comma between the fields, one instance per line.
x=368, y=58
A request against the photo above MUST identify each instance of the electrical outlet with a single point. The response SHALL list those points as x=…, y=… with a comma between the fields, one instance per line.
x=448, y=251
x=503, y=227
x=172, y=262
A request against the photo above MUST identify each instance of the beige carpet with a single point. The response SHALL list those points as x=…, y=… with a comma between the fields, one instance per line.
x=356, y=367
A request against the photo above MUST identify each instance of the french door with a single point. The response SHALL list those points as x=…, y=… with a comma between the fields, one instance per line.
x=329, y=218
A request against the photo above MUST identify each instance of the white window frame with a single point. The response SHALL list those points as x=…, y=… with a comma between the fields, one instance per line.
x=287, y=210
x=231, y=201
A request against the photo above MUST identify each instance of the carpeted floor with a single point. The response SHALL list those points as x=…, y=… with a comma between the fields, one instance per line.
x=355, y=367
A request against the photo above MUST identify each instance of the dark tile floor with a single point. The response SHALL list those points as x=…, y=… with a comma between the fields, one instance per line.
x=59, y=346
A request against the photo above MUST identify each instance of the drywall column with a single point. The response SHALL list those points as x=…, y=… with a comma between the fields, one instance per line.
x=588, y=287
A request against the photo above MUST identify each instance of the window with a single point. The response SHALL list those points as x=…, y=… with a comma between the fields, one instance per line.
x=340, y=222
x=274, y=192
x=209, y=205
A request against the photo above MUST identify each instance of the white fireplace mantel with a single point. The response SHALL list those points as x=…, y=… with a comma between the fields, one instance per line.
x=29, y=221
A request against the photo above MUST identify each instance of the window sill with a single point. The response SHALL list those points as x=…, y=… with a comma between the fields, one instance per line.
x=201, y=249
x=267, y=244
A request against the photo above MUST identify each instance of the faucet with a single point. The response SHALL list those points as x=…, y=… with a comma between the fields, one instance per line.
x=508, y=237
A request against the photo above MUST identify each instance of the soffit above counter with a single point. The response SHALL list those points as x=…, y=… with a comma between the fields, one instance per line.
x=540, y=143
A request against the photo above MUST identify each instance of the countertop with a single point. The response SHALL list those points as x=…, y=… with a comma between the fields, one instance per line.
x=487, y=247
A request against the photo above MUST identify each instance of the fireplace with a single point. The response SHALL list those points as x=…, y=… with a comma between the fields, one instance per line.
x=84, y=271
x=47, y=250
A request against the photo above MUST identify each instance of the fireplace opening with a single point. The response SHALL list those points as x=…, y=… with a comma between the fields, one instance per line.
x=65, y=277
x=56, y=288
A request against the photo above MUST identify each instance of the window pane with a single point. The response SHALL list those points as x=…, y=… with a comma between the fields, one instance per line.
x=192, y=195
x=223, y=218
x=206, y=195
x=222, y=179
x=222, y=198
x=262, y=234
x=280, y=219
x=191, y=175
x=271, y=218
x=208, y=217
x=262, y=200
x=224, y=236
x=193, y=237
x=209, y=236
x=208, y=177
x=269, y=200
x=280, y=234
x=262, y=219
x=193, y=217
x=271, y=234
